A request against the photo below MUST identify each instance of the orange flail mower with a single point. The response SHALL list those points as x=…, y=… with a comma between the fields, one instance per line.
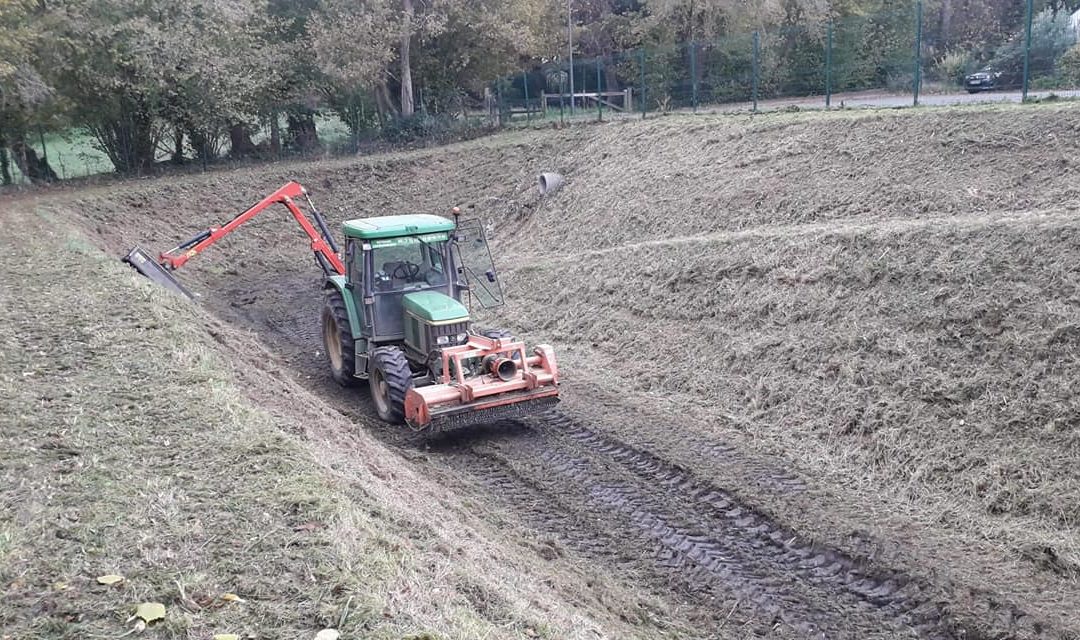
x=507, y=377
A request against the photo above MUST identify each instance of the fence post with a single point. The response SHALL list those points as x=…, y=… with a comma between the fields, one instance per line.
x=1027, y=50
x=641, y=63
x=562, y=99
x=599, y=99
x=525, y=87
x=828, y=66
x=44, y=150
x=916, y=78
x=499, y=100
x=693, y=74
x=756, y=71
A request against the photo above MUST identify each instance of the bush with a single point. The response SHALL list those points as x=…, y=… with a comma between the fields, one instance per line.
x=441, y=127
x=1069, y=67
x=409, y=129
x=952, y=67
x=1051, y=36
x=900, y=81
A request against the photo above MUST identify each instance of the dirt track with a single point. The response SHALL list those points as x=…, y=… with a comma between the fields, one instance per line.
x=655, y=524
x=688, y=502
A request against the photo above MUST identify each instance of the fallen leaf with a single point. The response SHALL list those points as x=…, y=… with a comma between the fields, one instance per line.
x=327, y=634
x=308, y=526
x=231, y=597
x=110, y=579
x=226, y=636
x=150, y=611
x=529, y=631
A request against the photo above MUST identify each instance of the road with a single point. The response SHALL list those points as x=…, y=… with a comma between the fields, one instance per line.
x=891, y=100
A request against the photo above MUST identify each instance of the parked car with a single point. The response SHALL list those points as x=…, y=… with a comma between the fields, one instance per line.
x=984, y=80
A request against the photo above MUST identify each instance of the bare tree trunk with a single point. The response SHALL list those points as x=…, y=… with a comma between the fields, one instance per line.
x=240, y=140
x=275, y=134
x=144, y=143
x=383, y=102
x=5, y=165
x=945, y=33
x=34, y=168
x=302, y=135
x=178, y=146
x=407, y=106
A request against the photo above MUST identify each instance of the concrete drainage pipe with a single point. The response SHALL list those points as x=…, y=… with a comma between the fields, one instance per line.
x=550, y=183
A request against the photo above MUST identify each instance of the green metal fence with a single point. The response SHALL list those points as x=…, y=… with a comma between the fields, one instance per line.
x=884, y=59
x=889, y=58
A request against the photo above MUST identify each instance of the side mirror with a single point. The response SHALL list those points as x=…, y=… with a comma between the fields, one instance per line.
x=490, y=275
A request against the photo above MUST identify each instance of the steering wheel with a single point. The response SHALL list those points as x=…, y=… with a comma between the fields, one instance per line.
x=406, y=270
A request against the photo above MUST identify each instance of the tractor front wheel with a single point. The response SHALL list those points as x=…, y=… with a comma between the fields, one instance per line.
x=390, y=379
x=338, y=340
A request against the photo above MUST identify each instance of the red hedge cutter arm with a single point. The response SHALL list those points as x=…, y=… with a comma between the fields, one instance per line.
x=322, y=242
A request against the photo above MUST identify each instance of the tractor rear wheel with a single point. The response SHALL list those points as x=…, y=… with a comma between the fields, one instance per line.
x=338, y=340
x=390, y=379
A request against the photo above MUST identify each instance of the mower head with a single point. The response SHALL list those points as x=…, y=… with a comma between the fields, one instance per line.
x=505, y=382
x=150, y=268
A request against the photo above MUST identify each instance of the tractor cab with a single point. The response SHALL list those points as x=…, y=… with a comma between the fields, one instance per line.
x=409, y=280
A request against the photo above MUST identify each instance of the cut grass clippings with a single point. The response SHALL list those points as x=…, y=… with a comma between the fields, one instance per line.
x=135, y=468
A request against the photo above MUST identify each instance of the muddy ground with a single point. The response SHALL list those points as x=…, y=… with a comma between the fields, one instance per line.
x=819, y=368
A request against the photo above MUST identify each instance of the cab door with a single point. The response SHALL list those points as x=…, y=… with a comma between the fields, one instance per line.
x=354, y=282
x=473, y=263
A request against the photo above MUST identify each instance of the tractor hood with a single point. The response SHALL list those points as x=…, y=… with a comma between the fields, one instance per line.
x=435, y=307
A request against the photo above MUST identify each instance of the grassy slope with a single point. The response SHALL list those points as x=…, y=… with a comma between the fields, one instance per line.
x=877, y=295
x=933, y=361
x=139, y=438
x=888, y=301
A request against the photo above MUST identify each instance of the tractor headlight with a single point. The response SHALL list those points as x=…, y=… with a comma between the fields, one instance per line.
x=462, y=338
x=442, y=340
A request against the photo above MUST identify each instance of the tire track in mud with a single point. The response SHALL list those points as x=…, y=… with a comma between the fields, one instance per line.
x=710, y=531
x=655, y=523
x=727, y=556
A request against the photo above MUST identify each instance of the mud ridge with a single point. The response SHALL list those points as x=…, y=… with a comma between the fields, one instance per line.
x=718, y=518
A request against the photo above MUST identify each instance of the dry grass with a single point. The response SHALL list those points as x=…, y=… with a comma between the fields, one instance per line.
x=933, y=359
x=141, y=437
x=884, y=301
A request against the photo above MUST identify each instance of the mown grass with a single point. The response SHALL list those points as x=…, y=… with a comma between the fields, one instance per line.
x=129, y=450
x=131, y=443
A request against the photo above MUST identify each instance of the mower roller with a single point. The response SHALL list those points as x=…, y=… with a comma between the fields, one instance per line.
x=395, y=315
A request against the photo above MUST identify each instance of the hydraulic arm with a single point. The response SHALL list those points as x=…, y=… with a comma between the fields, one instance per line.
x=322, y=242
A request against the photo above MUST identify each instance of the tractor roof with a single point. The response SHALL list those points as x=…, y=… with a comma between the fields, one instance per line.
x=393, y=226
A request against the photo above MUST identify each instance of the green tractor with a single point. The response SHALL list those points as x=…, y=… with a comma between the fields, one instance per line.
x=396, y=314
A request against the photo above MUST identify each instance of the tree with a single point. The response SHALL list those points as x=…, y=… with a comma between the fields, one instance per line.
x=483, y=39
x=408, y=16
x=354, y=45
x=25, y=97
x=136, y=71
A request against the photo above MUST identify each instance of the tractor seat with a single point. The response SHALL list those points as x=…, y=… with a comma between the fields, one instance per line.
x=434, y=277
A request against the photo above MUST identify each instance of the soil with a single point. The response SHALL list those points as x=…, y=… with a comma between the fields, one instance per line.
x=819, y=368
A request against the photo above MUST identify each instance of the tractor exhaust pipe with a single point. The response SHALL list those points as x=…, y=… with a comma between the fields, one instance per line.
x=503, y=368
